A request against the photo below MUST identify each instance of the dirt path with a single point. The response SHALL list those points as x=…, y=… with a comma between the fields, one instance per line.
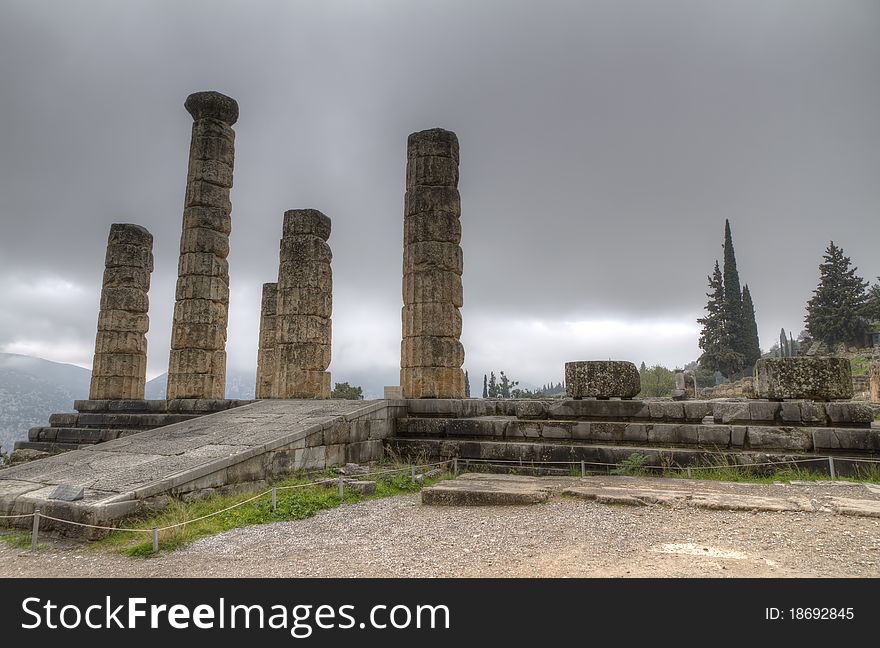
x=398, y=537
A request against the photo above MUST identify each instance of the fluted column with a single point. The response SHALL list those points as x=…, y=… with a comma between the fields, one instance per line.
x=266, y=352
x=119, y=370
x=197, y=366
x=431, y=354
x=305, y=305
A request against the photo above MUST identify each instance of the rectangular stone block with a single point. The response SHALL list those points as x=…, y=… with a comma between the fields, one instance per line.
x=212, y=218
x=212, y=146
x=673, y=434
x=432, y=255
x=198, y=336
x=780, y=438
x=268, y=332
x=432, y=170
x=196, y=361
x=732, y=413
x=432, y=382
x=317, y=275
x=599, y=409
x=303, y=329
x=197, y=385
x=133, y=300
x=713, y=435
x=126, y=365
x=265, y=387
x=205, y=194
x=859, y=440
x=436, y=319
x=439, y=144
x=305, y=249
x=432, y=286
x=312, y=222
x=697, y=410
x=120, y=342
x=293, y=382
x=133, y=256
x=116, y=387
x=126, y=277
x=303, y=301
x=269, y=300
x=203, y=263
x=432, y=199
x=764, y=411
x=201, y=311
x=212, y=171
x=427, y=351
x=312, y=357
x=849, y=414
x=738, y=435
x=432, y=226
x=201, y=240
x=202, y=287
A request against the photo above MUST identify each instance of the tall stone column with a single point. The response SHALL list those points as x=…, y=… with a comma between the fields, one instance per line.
x=197, y=367
x=305, y=304
x=431, y=354
x=119, y=370
x=268, y=332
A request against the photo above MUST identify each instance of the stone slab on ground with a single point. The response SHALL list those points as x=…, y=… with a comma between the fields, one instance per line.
x=476, y=489
x=248, y=443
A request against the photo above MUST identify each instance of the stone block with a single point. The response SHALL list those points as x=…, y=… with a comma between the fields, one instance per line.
x=432, y=226
x=601, y=379
x=780, y=438
x=432, y=255
x=202, y=287
x=201, y=240
x=127, y=277
x=196, y=361
x=303, y=301
x=130, y=234
x=197, y=385
x=209, y=146
x=849, y=414
x=203, y=263
x=125, y=365
x=392, y=392
x=297, y=274
x=427, y=351
x=299, y=222
x=437, y=319
x=431, y=287
x=212, y=218
x=120, y=342
x=293, y=382
x=531, y=409
x=713, y=435
x=685, y=384
x=133, y=300
x=423, y=199
x=600, y=409
x=697, y=410
x=269, y=300
x=732, y=412
x=861, y=440
x=738, y=435
x=201, y=311
x=433, y=142
x=310, y=329
x=813, y=378
x=673, y=434
x=305, y=249
x=432, y=170
x=135, y=256
x=205, y=194
x=215, y=172
x=313, y=357
x=198, y=336
x=790, y=412
x=432, y=382
x=765, y=411
x=116, y=387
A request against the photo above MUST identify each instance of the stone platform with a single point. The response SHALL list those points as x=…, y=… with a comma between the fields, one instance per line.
x=96, y=421
x=688, y=433
x=244, y=445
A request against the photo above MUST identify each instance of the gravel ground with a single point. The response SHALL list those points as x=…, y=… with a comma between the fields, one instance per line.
x=398, y=537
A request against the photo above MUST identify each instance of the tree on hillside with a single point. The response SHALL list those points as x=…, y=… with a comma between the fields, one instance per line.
x=872, y=308
x=837, y=310
x=347, y=392
x=718, y=354
x=505, y=385
x=467, y=385
x=493, y=385
x=751, y=346
x=734, y=323
x=485, y=387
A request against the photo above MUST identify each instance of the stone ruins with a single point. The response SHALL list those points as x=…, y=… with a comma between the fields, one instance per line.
x=266, y=350
x=685, y=386
x=119, y=369
x=197, y=367
x=431, y=354
x=602, y=379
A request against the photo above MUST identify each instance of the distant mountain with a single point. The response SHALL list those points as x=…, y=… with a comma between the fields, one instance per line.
x=31, y=389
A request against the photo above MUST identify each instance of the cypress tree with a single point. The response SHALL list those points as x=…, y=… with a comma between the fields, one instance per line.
x=714, y=338
x=733, y=306
x=485, y=387
x=467, y=385
x=752, y=344
x=836, y=311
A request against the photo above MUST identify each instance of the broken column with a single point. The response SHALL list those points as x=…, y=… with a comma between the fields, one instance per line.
x=266, y=352
x=119, y=370
x=431, y=354
x=304, y=307
x=874, y=381
x=685, y=386
x=197, y=367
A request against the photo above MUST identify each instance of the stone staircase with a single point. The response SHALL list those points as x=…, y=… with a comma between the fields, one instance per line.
x=97, y=421
x=668, y=433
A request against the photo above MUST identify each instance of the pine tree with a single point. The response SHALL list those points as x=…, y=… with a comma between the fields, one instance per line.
x=836, y=311
x=485, y=387
x=467, y=385
x=733, y=306
x=714, y=338
x=643, y=368
x=752, y=347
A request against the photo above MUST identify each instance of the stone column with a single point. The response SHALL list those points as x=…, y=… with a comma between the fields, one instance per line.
x=119, y=370
x=305, y=304
x=431, y=354
x=197, y=367
x=874, y=381
x=266, y=352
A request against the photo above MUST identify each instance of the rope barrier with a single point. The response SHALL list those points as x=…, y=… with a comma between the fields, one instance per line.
x=11, y=517
x=91, y=526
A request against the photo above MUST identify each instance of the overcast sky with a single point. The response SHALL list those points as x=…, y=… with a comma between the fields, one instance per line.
x=602, y=146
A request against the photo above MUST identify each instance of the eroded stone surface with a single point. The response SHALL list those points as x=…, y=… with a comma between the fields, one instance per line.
x=821, y=379
x=266, y=373
x=602, y=379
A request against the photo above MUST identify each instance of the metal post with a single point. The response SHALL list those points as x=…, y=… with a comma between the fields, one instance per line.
x=689, y=472
x=155, y=540
x=831, y=470
x=583, y=468
x=274, y=500
x=36, y=530
x=455, y=466
x=341, y=490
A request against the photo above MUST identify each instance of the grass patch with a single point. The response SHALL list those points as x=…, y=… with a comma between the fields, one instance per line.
x=723, y=471
x=860, y=365
x=295, y=504
x=19, y=539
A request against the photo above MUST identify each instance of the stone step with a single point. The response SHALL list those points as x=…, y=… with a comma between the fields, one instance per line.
x=510, y=453
x=118, y=420
x=47, y=446
x=180, y=406
x=708, y=436
x=78, y=436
